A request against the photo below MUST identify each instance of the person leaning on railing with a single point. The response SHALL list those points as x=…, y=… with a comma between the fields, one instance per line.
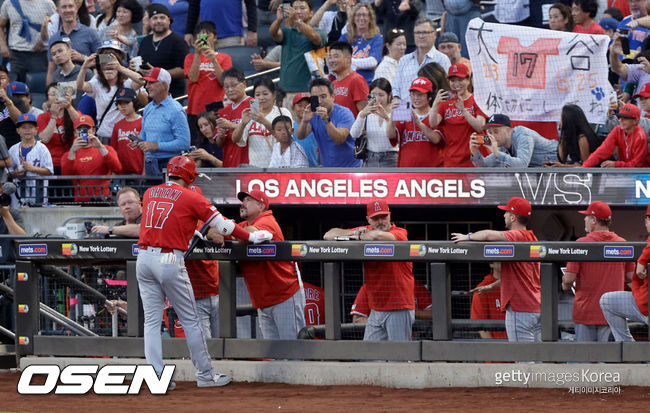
x=128, y=200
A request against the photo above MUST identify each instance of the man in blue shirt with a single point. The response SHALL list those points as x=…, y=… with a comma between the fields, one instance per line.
x=165, y=132
x=517, y=147
x=84, y=41
x=636, y=33
x=331, y=125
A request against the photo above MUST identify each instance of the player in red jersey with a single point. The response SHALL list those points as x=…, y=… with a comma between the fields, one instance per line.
x=486, y=304
x=274, y=286
x=620, y=306
x=171, y=212
x=520, y=287
x=593, y=279
x=360, y=310
x=389, y=284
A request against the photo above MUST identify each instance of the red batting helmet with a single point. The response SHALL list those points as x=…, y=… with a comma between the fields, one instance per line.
x=183, y=167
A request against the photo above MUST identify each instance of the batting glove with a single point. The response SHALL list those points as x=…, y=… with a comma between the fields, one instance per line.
x=258, y=237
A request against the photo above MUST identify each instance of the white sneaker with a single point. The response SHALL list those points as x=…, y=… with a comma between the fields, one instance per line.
x=218, y=381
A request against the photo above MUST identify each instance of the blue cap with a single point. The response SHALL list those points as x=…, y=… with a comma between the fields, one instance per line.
x=17, y=88
x=26, y=118
x=608, y=23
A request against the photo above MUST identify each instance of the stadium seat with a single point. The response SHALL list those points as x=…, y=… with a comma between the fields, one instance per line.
x=36, y=82
x=241, y=57
x=38, y=99
x=264, y=39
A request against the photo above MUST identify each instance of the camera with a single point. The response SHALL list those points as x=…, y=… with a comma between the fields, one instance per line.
x=483, y=140
x=372, y=99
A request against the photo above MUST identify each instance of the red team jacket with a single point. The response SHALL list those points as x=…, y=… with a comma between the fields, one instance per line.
x=269, y=282
x=632, y=149
x=361, y=305
x=89, y=161
x=520, y=280
x=640, y=286
x=233, y=154
x=487, y=306
x=595, y=279
x=390, y=284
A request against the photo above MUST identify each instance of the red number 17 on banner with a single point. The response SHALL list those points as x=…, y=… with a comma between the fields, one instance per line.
x=527, y=65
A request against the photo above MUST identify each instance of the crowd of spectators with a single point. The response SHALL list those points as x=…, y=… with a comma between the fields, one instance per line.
x=379, y=69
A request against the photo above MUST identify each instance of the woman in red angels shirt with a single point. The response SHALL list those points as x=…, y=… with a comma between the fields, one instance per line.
x=419, y=145
x=457, y=116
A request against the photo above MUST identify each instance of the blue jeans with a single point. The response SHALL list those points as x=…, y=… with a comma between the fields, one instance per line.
x=381, y=160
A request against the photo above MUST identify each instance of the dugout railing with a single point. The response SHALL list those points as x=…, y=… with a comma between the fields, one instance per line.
x=32, y=255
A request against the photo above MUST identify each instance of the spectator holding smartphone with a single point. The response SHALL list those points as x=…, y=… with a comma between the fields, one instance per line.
x=373, y=119
x=203, y=70
x=254, y=129
x=419, y=145
x=457, y=116
x=126, y=133
x=208, y=153
x=88, y=156
x=517, y=147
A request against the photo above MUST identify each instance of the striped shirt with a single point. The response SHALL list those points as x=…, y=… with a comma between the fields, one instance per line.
x=407, y=70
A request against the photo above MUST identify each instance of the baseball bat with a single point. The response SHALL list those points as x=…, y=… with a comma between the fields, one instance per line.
x=204, y=230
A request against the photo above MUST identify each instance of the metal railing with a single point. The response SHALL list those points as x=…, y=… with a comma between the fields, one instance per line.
x=441, y=347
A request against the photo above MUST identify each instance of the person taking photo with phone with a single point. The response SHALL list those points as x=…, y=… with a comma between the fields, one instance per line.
x=89, y=156
x=255, y=128
x=330, y=124
x=203, y=70
x=373, y=119
x=517, y=147
x=456, y=115
x=408, y=128
x=111, y=75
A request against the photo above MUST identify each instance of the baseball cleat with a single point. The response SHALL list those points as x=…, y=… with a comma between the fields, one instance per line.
x=218, y=381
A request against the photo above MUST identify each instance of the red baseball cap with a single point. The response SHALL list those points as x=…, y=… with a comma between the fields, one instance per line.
x=257, y=195
x=299, y=97
x=458, y=70
x=377, y=207
x=629, y=111
x=644, y=92
x=647, y=211
x=159, y=74
x=518, y=206
x=599, y=209
x=83, y=120
x=421, y=84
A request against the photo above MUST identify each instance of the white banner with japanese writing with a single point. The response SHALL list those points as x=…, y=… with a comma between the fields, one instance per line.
x=530, y=74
